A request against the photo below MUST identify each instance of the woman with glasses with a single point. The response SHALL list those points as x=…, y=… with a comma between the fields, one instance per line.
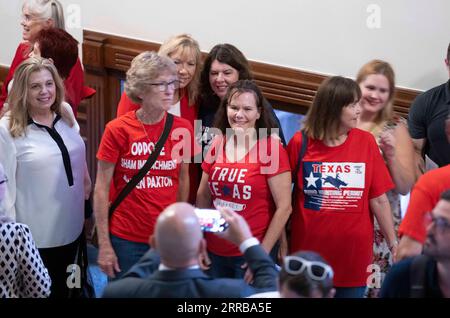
x=22, y=272
x=246, y=169
x=342, y=183
x=38, y=15
x=125, y=146
x=185, y=53
x=44, y=158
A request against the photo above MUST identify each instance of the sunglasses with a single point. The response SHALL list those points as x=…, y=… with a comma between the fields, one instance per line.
x=295, y=265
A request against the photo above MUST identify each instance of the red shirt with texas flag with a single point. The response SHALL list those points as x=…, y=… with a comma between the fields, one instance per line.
x=243, y=187
x=333, y=215
x=126, y=144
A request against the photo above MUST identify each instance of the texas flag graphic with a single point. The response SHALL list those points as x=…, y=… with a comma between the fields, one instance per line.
x=336, y=186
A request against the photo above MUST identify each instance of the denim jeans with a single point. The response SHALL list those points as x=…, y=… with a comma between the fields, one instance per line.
x=127, y=252
x=350, y=292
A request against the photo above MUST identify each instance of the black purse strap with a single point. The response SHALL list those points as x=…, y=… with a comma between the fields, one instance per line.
x=143, y=171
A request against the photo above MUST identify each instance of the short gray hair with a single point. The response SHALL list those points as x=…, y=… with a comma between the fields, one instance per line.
x=145, y=68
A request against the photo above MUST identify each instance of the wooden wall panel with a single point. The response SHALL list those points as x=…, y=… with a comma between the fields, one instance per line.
x=3, y=72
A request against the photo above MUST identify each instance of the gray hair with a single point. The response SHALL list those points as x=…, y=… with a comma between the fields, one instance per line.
x=145, y=68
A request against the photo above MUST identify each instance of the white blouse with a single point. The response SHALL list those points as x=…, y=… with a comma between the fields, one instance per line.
x=22, y=272
x=38, y=193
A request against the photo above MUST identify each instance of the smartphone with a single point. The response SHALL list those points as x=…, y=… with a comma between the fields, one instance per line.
x=211, y=220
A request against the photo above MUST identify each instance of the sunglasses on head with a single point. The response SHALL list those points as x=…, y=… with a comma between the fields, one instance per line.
x=295, y=265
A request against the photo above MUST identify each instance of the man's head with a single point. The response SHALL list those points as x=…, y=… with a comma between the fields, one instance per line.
x=178, y=236
x=437, y=244
x=306, y=275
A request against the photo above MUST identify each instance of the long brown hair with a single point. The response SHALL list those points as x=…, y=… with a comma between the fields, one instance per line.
x=265, y=120
x=324, y=117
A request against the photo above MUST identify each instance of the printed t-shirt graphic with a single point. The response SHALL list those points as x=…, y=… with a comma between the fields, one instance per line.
x=334, y=186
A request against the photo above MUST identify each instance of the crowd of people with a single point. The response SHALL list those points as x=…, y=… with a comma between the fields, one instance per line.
x=321, y=238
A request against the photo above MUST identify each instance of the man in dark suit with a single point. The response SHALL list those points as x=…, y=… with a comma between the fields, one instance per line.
x=179, y=241
x=428, y=275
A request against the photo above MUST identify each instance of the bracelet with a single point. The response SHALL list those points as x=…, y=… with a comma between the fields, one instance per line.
x=395, y=243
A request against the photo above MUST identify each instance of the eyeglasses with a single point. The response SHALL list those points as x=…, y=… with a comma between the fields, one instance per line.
x=296, y=265
x=4, y=180
x=163, y=86
x=440, y=222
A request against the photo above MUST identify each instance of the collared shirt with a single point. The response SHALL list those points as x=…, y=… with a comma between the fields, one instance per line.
x=39, y=193
x=426, y=120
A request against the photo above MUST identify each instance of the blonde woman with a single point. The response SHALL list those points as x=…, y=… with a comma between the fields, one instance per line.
x=377, y=82
x=44, y=158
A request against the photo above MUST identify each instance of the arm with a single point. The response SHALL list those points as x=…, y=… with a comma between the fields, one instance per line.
x=398, y=151
x=203, y=193
x=34, y=276
x=408, y=247
x=280, y=187
x=183, y=186
x=419, y=161
x=382, y=210
x=107, y=258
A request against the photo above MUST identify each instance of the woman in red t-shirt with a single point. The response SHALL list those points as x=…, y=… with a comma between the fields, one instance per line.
x=185, y=53
x=343, y=182
x=36, y=16
x=247, y=170
x=125, y=147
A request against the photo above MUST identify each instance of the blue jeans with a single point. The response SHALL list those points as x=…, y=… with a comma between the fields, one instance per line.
x=350, y=292
x=127, y=252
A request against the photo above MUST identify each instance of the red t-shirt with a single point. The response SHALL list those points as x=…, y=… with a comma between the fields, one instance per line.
x=243, y=186
x=332, y=217
x=126, y=144
x=75, y=90
x=187, y=111
x=424, y=196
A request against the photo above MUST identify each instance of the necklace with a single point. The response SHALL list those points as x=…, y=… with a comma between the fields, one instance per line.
x=140, y=118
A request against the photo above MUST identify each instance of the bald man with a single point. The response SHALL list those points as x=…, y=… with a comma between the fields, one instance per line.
x=179, y=241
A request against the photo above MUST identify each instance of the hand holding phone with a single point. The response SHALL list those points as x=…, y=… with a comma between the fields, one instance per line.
x=211, y=220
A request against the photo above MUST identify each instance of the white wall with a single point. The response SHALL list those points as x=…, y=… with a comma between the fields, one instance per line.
x=325, y=36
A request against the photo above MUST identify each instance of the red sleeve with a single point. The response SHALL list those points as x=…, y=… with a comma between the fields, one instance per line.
x=215, y=148
x=184, y=136
x=420, y=202
x=74, y=85
x=109, y=148
x=293, y=149
x=189, y=112
x=381, y=179
x=125, y=105
x=20, y=56
x=277, y=162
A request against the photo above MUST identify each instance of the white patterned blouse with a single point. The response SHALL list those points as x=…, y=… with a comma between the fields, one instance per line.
x=22, y=272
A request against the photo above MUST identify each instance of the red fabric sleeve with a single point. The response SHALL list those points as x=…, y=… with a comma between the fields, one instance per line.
x=277, y=160
x=109, y=148
x=20, y=56
x=125, y=105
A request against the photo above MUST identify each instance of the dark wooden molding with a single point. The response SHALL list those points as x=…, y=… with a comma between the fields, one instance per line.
x=3, y=72
x=107, y=57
